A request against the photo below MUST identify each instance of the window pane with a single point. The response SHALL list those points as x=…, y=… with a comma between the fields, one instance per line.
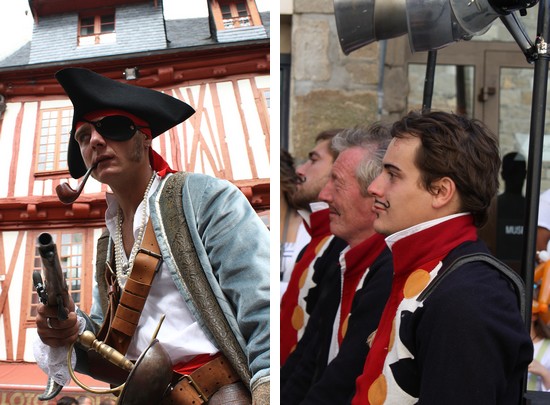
x=53, y=141
x=86, y=31
x=241, y=9
x=106, y=28
x=107, y=23
x=76, y=296
x=108, y=19
x=226, y=11
x=86, y=26
x=453, y=88
x=514, y=127
x=87, y=21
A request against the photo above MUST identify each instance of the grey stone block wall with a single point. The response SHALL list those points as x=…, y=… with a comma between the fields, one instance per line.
x=329, y=89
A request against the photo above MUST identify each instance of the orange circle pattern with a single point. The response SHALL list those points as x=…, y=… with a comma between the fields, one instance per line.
x=392, y=336
x=321, y=244
x=345, y=326
x=303, y=278
x=297, y=319
x=415, y=283
x=378, y=391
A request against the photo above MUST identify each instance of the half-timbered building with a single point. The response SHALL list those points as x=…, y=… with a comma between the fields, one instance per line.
x=215, y=58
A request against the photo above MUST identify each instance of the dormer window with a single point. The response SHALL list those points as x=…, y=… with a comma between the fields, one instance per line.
x=96, y=29
x=230, y=14
x=235, y=14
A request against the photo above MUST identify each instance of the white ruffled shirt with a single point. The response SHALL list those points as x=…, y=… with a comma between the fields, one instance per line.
x=180, y=333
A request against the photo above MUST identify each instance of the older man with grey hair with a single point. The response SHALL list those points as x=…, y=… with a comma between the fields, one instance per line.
x=327, y=360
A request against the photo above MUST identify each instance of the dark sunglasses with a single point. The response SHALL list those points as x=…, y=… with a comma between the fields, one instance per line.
x=115, y=127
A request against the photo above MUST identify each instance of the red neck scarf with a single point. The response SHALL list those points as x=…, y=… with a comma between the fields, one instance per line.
x=421, y=250
x=358, y=260
x=292, y=315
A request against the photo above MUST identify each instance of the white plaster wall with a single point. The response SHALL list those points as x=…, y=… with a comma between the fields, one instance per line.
x=25, y=152
x=16, y=287
x=6, y=144
x=257, y=137
x=234, y=132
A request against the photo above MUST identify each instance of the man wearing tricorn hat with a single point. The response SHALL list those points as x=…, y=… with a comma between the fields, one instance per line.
x=213, y=263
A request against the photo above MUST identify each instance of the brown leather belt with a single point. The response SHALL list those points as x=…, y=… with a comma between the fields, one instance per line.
x=199, y=386
x=119, y=331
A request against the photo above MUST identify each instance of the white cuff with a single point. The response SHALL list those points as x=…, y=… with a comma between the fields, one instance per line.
x=53, y=360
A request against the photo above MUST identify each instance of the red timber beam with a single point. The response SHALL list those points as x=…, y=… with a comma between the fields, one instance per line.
x=89, y=210
x=160, y=69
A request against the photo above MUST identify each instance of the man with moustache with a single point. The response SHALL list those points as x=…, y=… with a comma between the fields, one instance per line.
x=315, y=171
x=300, y=296
x=353, y=297
x=449, y=334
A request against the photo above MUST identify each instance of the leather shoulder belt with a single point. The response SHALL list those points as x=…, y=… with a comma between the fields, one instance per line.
x=119, y=330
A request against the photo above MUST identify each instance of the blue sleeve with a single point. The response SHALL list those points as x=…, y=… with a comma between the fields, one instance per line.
x=236, y=243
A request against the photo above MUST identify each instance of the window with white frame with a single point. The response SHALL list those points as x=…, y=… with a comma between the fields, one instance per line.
x=53, y=139
x=96, y=29
x=229, y=14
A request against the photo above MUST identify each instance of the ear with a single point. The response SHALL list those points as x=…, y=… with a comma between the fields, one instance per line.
x=444, y=192
x=147, y=141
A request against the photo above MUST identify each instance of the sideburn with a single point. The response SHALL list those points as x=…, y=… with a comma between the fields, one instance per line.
x=138, y=148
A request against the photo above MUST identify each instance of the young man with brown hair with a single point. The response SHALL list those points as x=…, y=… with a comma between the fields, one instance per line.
x=449, y=334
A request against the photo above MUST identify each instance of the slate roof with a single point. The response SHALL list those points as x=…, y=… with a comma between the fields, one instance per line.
x=196, y=32
x=18, y=58
x=188, y=32
x=183, y=33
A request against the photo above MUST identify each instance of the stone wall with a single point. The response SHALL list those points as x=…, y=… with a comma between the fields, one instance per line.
x=329, y=89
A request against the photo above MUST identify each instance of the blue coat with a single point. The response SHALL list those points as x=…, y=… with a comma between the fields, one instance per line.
x=232, y=244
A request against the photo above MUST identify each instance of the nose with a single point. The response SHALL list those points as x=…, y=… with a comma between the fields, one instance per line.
x=326, y=192
x=374, y=188
x=96, y=139
x=301, y=169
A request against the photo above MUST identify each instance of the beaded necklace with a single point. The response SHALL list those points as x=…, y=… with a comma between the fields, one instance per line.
x=123, y=267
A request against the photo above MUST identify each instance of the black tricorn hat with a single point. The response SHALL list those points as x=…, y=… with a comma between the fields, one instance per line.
x=91, y=92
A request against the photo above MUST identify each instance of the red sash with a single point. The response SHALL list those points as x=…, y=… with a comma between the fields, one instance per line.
x=291, y=320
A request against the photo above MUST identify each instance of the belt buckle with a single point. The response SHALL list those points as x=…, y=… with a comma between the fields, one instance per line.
x=153, y=255
x=196, y=387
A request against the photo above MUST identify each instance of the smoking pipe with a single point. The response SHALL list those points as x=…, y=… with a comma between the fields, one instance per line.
x=65, y=192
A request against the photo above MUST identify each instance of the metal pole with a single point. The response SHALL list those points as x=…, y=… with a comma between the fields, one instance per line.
x=534, y=166
x=429, y=81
